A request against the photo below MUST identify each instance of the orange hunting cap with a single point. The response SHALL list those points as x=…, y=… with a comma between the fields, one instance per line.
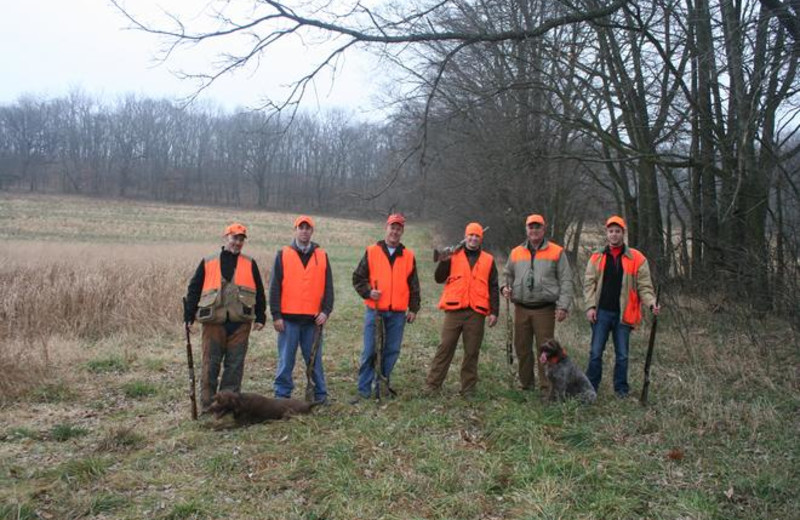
x=304, y=218
x=396, y=218
x=235, y=229
x=616, y=220
x=473, y=228
x=535, y=219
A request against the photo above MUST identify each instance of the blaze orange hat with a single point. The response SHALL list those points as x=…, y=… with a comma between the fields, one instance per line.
x=616, y=220
x=473, y=228
x=304, y=218
x=535, y=219
x=396, y=218
x=235, y=229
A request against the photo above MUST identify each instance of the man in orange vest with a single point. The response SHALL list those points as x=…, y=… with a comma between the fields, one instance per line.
x=616, y=284
x=226, y=295
x=538, y=279
x=386, y=278
x=470, y=294
x=300, y=299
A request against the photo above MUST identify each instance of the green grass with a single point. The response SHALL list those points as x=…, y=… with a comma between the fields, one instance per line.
x=64, y=432
x=501, y=454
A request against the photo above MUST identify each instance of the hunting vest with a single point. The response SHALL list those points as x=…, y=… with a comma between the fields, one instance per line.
x=222, y=300
x=390, y=279
x=303, y=286
x=467, y=287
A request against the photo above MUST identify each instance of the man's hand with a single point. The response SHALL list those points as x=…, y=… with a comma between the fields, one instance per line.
x=278, y=325
x=375, y=294
x=258, y=326
x=561, y=314
x=321, y=318
x=655, y=309
x=410, y=317
x=591, y=315
x=506, y=291
x=492, y=320
x=189, y=327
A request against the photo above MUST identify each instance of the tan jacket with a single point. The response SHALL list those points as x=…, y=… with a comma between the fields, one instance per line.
x=550, y=281
x=637, y=285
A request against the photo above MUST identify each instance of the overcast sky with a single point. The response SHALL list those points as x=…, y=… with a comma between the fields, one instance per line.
x=53, y=46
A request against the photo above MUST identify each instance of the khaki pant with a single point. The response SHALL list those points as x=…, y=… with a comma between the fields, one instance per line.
x=220, y=348
x=470, y=325
x=527, y=324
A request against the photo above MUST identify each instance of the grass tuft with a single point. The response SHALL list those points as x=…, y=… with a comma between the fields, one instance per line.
x=64, y=432
x=121, y=439
x=15, y=511
x=138, y=389
x=186, y=510
x=82, y=471
x=109, y=364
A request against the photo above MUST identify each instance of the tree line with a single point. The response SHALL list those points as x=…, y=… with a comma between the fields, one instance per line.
x=682, y=116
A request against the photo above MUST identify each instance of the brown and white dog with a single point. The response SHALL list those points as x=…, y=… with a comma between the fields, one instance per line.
x=566, y=379
x=254, y=408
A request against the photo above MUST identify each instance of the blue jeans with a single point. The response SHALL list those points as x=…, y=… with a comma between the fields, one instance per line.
x=292, y=335
x=609, y=322
x=394, y=323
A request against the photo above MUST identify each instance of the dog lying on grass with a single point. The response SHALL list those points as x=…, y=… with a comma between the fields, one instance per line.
x=566, y=379
x=254, y=408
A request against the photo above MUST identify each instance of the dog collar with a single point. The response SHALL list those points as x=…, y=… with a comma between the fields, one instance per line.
x=556, y=358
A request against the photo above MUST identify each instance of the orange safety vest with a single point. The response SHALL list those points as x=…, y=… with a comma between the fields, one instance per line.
x=390, y=279
x=302, y=287
x=630, y=303
x=550, y=252
x=237, y=303
x=467, y=287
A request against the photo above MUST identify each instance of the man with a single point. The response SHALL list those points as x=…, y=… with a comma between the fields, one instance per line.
x=386, y=278
x=538, y=279
x=226, y=295
x=616, y=284
x=470, y=294
x=300, y=300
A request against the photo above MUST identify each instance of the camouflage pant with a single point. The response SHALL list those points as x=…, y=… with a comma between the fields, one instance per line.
x=227, y=350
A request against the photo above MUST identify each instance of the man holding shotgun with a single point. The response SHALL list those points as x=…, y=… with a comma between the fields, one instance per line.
x=226, y=295
x=301, y=300
x=470, y=295
x=616, y=284
x=386, y=278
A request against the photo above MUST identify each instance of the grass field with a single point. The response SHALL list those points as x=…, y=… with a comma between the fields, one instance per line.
x=94, y=420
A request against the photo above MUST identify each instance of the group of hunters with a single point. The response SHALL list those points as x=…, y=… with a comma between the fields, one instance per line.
x=226, y=294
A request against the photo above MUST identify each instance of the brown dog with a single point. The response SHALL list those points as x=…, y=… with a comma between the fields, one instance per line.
x=255, y=408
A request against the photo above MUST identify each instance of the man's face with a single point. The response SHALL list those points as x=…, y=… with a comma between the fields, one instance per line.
x=473, y=241
x=234, y=243
x=535, y=232
x=303, y=232
x=393, y=234
x=615, y=235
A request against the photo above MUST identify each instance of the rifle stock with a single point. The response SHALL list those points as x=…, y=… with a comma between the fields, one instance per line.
x=509, y=343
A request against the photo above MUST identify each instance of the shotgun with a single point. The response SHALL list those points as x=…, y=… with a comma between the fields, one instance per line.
x=190, y=362
x=649, y=359
x=312, y=358
x=447, y=251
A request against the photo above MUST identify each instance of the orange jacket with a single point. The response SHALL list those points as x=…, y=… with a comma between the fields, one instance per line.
x=637, y=286
x=303, y=287
x=465, y=287
x=390, y=279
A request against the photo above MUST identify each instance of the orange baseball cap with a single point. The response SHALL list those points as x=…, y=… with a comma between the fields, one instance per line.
x=535, y=219
x=396, y=218
x=235, y=229
x=616, y=220
x=304, y=218
x=473, y=228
